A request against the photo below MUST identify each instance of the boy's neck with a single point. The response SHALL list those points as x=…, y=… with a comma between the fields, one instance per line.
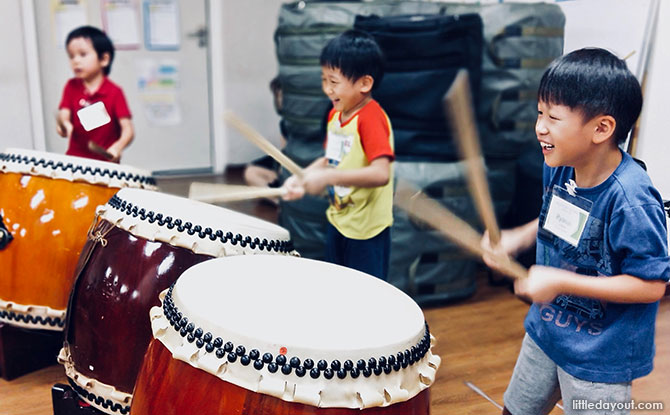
x=93, y=84
x=347, y=114
x=599, y=167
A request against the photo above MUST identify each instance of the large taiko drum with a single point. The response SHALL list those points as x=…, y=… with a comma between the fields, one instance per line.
x=142, y=242
x=47, y=203
x=280, y=335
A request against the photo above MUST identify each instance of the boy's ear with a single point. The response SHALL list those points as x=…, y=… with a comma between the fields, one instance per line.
x=604, y=128
x=104, y=60
x=366, y=83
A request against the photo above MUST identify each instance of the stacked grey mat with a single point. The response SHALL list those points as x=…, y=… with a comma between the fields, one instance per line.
x=519, y=40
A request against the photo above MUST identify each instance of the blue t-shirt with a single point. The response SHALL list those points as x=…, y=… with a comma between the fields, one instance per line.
x=625, y=233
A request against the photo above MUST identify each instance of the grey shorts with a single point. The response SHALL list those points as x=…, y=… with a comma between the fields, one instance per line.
x=538, y=383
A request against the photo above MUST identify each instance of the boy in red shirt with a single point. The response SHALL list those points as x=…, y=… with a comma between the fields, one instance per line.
x=93, y=113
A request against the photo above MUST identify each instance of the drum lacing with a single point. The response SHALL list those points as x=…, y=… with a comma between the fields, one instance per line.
x=97, y=236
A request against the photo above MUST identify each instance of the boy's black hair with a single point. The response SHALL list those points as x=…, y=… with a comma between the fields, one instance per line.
x=101, y=42
x=355, y=53
x=595, y=82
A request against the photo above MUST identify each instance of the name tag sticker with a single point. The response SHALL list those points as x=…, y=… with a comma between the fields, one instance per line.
x=93, y=116
x=565, y=220
x=338, y=146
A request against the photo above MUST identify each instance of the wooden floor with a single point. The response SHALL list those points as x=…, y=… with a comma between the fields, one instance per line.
x=478, y=340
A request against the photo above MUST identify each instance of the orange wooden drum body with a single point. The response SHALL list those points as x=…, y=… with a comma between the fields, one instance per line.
x=171, y=387
x=49, y=220
x=47, y=203
x=272, y=335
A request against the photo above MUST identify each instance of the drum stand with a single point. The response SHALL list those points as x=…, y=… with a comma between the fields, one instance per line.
x=23, y=351
x=66, y=402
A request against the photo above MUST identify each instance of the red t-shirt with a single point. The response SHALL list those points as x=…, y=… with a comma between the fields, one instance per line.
x=76, y=97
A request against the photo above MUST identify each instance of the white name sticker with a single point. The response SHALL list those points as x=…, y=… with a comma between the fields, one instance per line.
x=338, y=146
x=93, y=116
x=566, y=220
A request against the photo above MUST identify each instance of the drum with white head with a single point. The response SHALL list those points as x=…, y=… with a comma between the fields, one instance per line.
x=47, y=202
x=140, y=244
x=278, y=335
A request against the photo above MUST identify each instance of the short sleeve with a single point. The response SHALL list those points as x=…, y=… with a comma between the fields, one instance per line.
x=121, y=106
x=638, y=236
x=375, y=133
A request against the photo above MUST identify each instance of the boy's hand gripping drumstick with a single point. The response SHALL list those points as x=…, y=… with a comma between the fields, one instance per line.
x=424, y=209
x=221, y=193
x=458, y=106
x=262, y=143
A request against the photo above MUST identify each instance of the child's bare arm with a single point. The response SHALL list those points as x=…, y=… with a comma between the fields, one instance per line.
x=63, y=123
x=376, y=174
x=545, y=283
x=125, y=138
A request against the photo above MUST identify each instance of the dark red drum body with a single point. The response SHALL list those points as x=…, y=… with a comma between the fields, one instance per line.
x=270, y=335
x=171, y=387
x=131, y=256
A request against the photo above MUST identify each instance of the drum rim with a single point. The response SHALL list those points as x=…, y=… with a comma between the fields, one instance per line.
x=180, y=323
x=215, y=242
x=73, y=168
x=32, y=316
x=102, y=396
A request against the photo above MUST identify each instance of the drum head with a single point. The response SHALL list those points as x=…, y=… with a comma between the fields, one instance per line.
x=200, y=227
x=59, y=166
x=298, y=329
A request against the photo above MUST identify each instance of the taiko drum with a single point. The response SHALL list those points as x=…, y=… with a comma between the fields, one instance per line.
x=141, y=243
x=281, y=335
x=47, y=204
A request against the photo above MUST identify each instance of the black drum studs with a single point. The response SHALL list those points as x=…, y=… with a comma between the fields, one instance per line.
x=152, y=217
x=379, y=365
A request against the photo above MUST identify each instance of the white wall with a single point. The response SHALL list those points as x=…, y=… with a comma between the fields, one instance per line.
x=15, y=127
x=249, y=66
x=653, y=144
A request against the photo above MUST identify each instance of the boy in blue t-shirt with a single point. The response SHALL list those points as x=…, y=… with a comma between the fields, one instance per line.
x=601, y=240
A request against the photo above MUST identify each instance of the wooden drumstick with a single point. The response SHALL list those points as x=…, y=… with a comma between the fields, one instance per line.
x=221, y=193
x=99, y=150
x=424, y=209
x=262, y=143
x=458, y=106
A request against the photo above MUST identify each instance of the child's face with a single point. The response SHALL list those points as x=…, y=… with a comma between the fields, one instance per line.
x=346, y=95
x=84, y=60
x=564, y=135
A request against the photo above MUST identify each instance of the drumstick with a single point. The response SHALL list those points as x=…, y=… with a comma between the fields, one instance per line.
x=422, y=208
x=220, y=193
x=99, y=150
x=458, y=106
x=262, y=143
